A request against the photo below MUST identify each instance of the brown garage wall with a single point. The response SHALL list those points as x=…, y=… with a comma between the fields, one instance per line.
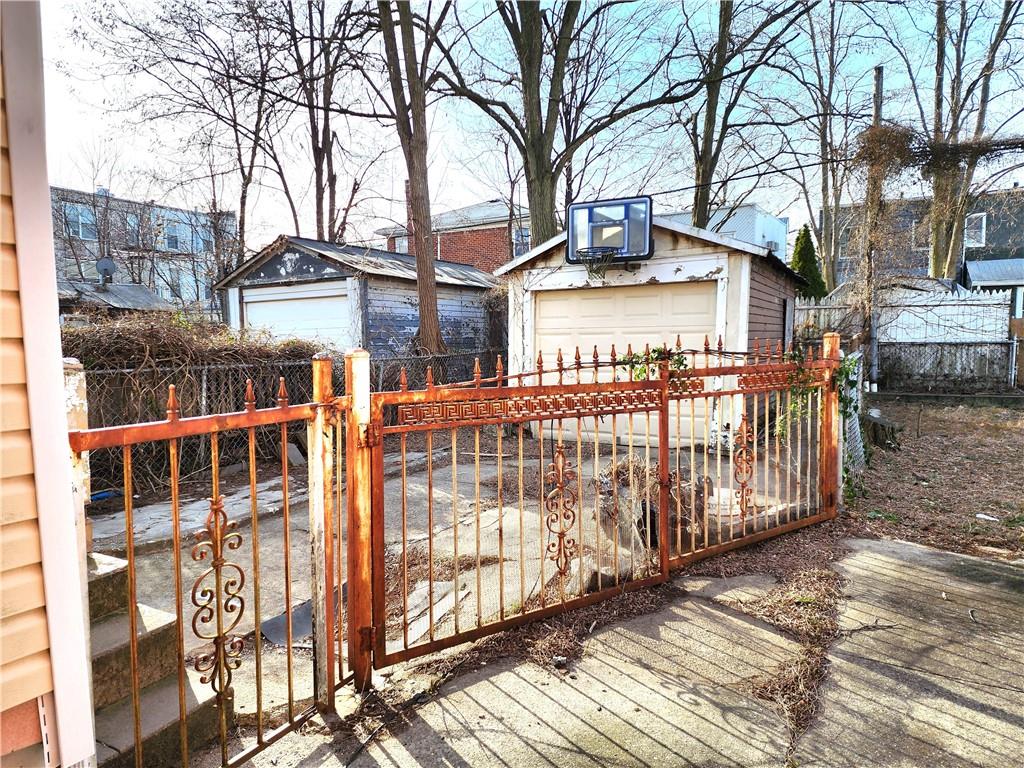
x=769, y=288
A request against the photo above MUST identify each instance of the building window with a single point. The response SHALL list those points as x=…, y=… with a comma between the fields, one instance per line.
x=974, y=230
x=172, y=240
x=521, y=239
x=132, y=230
x=80, y=221
x=921, y=235
x=401, y=245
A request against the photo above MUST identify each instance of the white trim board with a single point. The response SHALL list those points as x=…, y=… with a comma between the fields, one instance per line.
x=59, y=527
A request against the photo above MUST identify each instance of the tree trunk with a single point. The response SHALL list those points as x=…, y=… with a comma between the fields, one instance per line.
x=704, y=162
x=540, y=196
x=411, y=125
x=428, y=338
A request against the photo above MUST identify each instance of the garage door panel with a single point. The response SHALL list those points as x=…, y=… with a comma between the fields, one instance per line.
x=634, y=315
x=320, y=314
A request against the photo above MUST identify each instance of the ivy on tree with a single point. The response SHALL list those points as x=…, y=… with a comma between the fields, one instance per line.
x=805, y=262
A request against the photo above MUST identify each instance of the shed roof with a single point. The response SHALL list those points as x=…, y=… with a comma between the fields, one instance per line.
x=370, y=261
x=477, y=214
x=996, y=272
x=111, y=296
x=672, y=226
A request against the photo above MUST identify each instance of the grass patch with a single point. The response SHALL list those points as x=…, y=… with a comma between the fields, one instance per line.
x=1017, y=521
x=806, y=606
x=877, y=514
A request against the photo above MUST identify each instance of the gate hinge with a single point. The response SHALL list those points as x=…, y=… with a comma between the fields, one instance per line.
x=370, y=435
x=368, y=638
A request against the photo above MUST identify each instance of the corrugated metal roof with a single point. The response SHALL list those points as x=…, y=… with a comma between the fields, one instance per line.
x=111, y=296
x=996, y=272
x=371, y=261
x=487, y=212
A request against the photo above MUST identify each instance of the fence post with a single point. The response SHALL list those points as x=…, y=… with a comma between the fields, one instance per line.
x=664, y=457
x=829, y=460
x=358, y=492
x=319, y=461
x=77, y=406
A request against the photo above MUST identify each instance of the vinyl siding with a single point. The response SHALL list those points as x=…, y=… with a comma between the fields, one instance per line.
x=24, y=656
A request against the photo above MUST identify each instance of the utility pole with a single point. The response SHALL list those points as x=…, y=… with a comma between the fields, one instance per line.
x=873, y=213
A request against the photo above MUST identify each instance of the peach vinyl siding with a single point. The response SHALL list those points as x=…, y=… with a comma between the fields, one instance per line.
x=25, y=671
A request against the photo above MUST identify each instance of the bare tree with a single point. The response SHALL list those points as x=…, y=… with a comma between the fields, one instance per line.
x=207, y=62
x=525, y=86
x=409, y=77
x=818, y=119
x=747, y=36
x=974, y=48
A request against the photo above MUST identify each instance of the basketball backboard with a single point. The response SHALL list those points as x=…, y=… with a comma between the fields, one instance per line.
x=615, y=230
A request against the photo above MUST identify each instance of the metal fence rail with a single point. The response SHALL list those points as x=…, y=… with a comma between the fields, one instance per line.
x=135, y=395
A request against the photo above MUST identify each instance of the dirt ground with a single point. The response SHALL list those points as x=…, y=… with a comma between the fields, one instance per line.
x=954, y=463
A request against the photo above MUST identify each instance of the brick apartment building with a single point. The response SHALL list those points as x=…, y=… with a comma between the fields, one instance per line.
x=484, y=235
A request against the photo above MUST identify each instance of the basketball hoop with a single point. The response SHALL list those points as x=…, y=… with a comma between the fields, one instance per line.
x=596, y=259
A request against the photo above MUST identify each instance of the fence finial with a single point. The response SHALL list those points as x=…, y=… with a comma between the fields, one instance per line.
x=720, y=342
x=707, y=343
x=597, y=357
x=499, y=370
x=578, y=359
x=613, y=355
x=250, y=396
x=476, y=371
x=778, y=349
x=540, y=361
x=430, y=377
x=757, y=349
x=282, y=393
x=172, y=404
x=403, y=380
x=679, y=341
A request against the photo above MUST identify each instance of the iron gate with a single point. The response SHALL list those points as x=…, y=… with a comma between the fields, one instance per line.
x=509, y=498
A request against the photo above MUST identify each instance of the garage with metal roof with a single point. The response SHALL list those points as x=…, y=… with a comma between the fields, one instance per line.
x=351, y=296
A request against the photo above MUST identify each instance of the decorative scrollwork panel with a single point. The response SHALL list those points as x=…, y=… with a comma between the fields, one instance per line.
x=217, y=596
x=560, y=508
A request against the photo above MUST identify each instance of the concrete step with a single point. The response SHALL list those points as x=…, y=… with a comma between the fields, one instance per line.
x=157, y=633
x=108, y=585
x=115, y=729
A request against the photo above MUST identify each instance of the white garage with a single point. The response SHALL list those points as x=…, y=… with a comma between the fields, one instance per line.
x=696, y=283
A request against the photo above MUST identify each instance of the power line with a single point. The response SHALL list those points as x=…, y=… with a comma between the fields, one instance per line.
x=756, y=175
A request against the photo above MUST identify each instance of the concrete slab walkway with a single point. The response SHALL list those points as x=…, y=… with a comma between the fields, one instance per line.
x=941, y=682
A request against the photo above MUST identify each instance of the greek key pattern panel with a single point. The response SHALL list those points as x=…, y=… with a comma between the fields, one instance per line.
x=685, y=385
x=783, y=379
x=553, y=406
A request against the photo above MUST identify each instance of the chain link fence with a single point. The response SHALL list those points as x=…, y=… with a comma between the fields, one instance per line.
x=130, y=396
x=960, y=367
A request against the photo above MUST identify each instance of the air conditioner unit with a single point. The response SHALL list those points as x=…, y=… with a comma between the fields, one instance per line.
x=772, y=246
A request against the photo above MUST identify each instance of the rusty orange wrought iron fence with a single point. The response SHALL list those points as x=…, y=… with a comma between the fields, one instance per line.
x=222, y=579
x=444, y=513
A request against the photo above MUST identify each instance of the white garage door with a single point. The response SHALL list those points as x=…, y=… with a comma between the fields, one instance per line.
x=637, y=315
x=315, y=312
